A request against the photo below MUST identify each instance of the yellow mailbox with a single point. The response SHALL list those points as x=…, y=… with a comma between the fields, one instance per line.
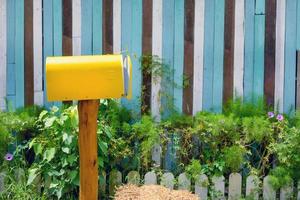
x=88, y=77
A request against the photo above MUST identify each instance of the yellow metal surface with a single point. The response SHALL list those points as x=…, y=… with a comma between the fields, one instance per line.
x=88, y=77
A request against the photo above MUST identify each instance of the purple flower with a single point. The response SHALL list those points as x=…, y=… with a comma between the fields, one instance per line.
x=271, y=114
x=8, y=157
x=279, y=117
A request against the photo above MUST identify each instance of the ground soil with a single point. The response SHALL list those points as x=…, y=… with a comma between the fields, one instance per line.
x=152, y=192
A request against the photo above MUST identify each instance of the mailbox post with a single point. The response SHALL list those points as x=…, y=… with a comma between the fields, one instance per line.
x=88, y=79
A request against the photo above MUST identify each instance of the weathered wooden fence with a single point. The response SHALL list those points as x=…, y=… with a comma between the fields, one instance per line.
x=231, y=188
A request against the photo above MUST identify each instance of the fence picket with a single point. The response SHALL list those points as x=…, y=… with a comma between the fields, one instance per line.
x=252, y=187
x=20, y=175
x=133, y=177
x=115, y=179
x=184, y=183
x=200, y=186
x=167, y=180
x=156, y=154
x=102, y=183
x=286, y=192
x=2, y=179
x=150, y=178
x=268, y=192
x=235, y=186
x=219, y=186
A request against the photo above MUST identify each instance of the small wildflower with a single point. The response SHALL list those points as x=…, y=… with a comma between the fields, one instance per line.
x=271, y=114
x=8, y=157
x=279, y=117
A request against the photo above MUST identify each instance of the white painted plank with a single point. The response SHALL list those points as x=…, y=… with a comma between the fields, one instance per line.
x=156, y=155
x=133, y=177
x=252, y=187
x=198, y=55
x=238, y=59
x=219, y=186
x=235, y=186
x=3, y=49
x=268, y=191
x=156, y=50
x=76, y=27
x=298, y=191
x=286, y=192
x=2, y=177
x=115, y=179
x=201, y=184
x=184, y=183
x=167, y=180
x=117, y=26
x=150, y=178
x=38, y=52
x=279, y=54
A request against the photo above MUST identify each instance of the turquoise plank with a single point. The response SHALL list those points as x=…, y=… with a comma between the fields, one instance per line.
x=47, y=40
x=97, y=26
x=11, y=102
x=57, y=32
x=260, y=7
x=259, y=49
x=290, y=55
x=298, y=25
x=86, y=27
x=249, y=50
x=208, y=55
x=132, y=42
x=218, y=55
x=19, y=53
x=167, y=95
x=179, y=54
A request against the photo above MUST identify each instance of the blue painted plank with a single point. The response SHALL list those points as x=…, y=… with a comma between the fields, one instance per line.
x=258, y=69
x=19, y=53
x=290, y=55
x=260, y=7
x=97, y=27
x=86, y=27
x=298, y=25
x=11, y=102
x=47, y=40
x=249, y=50
x=208, y=55
x=168, y=58
x=131, y=42
x=179, y=54
x=218, y=56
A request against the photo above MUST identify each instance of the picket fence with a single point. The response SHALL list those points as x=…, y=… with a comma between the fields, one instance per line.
x=234, y=190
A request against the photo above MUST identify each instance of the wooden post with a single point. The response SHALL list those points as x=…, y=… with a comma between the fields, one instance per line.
x=88, y=112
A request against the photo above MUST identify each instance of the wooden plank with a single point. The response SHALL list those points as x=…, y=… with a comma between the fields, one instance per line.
x=219, y=186
x=298, y=191
x=268, y=191
x=218, y=56
x=67, y=28
x=19, y=49
x=252, y=187
x=76, y=27
x=156, y=51
x=269, y=74
x=167, y=94
x=147, y=50
x=208, y=55
x=290, y=53
x=2, y=179
x=19, y=174
x=201, y=184
x=97, y=27
x=260, y=7
x=298, y=81
x=38, y=52
x=279, y=55
x=184, y=183
x=167, y=180
x=239, y=38
x=3, y=48
x=107, y=27
x=186, y=104
x=156, y=154
x=115, y=179
x=102, y=182
x=117, y=26
x=150, y=178
x=259, y=49
x=235, y=186
x=228, y=75
x=249, y=50
x=28, y=65
x=133, y=177
x=198, y=55
x=286, y=192
x=87, y=27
